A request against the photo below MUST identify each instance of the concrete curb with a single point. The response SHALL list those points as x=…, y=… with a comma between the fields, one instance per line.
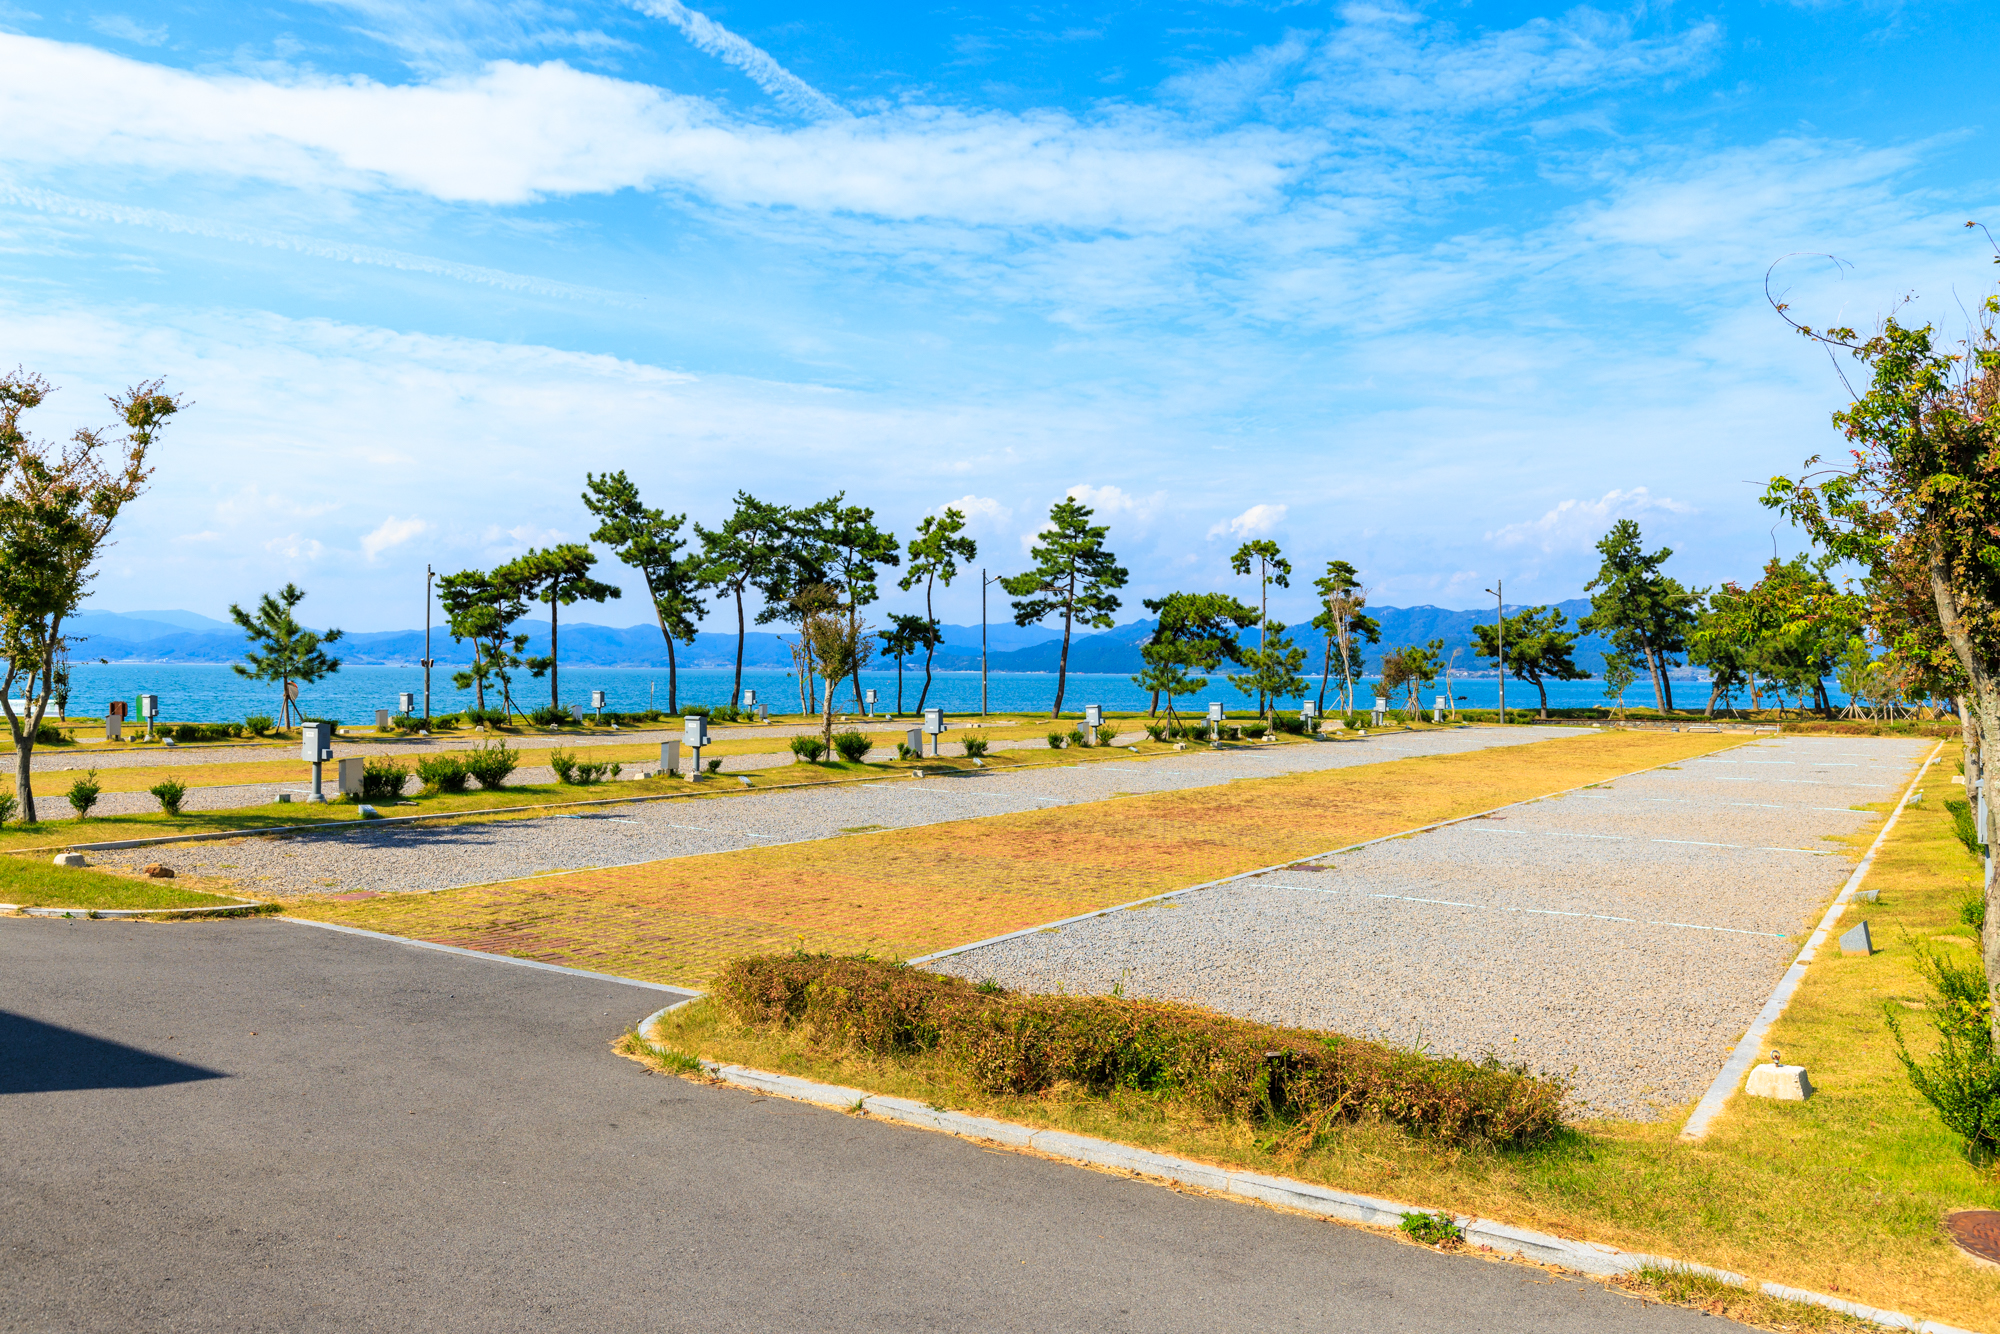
x=501, y=958
x=1266, y=870
x=1745, y=1054
x=127, y=914
x=1587, y=1257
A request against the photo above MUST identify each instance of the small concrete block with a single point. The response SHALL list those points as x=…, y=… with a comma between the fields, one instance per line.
x=370, y=813
x=1869, y=896
x=70, y=859
x=1785, y=1083
x=1857, y=941
x=283, y=798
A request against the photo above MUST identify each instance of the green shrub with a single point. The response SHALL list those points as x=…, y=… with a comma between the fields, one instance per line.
x=1056, y=740
x=257, y=724
x=1076, y=737
x=808, y=748
x=170, y=791
x=382, y=778
x=48, y=734
x=486, y=717
x=714, y=767
x=851, y=746
x=7, y=806
x=1255, y=731
x=1431, y=1229
x=491, y=764
x=582, y=773
x=333, y=722
x=975, y=747
x=1966, y=825
x=407, y=723
x=442, y=773
x=206, y=731
x=1972, y=912
x=903, y=752
x=549, y=716
x=1157, y=731
x=1960, y=1078
x=1107, y=735
x=1300, y=1083
x=83, y=794
x=1293, y=726
x=564, y=764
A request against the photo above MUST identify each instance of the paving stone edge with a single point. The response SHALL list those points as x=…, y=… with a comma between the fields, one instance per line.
x=1588, y=1257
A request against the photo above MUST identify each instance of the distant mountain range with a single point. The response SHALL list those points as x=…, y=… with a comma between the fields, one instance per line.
x=187, y=637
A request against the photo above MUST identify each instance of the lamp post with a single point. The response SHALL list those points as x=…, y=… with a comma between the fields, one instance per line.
x=428, y=574
x=984, y=579
x=1500, y=629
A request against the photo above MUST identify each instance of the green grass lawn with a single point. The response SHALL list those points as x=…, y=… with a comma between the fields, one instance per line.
x=37, y=884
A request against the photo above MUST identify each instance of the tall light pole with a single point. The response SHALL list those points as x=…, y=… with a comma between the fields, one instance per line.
x=428, y=574
x=983, y=581
x=1500, y=628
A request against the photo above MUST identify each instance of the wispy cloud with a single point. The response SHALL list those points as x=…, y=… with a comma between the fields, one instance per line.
x=707, y=35
x=122, y=28
x=391, y=532
x=1574, y=525
x=1257, y=521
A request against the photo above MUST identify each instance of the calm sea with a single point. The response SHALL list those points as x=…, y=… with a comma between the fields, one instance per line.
x=213, y=693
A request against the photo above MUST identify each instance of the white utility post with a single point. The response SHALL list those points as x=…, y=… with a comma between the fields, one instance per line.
x=1093, y=718
x=934, y=724
x=1500, y=630
x=694, y=735
x=316, y=746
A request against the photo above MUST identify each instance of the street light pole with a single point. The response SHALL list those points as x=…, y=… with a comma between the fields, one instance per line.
x=428, y=574
x=1500, y=630
x=983, y=581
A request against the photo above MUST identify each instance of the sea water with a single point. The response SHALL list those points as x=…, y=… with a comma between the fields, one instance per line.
x=204, y=692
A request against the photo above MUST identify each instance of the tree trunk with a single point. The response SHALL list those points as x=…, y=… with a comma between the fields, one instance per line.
x=1543, y=690
x=1666, y=683
x=737, y=689
x=1062, y=667
x=930, y=646
x=555, y=696
x=674, y=679
x=826, y=733
x=899, y=683
x=1714, y=693
x=1653, y=670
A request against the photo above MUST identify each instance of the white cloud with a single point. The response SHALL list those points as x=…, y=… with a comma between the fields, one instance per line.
x=1256, y=521
x=512, y=133
x=979, y=511
x=757, y=65
x=1575, y=525
x=392, y=532
x=1111, y=503
x=120, y=28
x=294, y=547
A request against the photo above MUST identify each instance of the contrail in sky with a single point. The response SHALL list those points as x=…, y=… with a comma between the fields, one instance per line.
x=757, y=65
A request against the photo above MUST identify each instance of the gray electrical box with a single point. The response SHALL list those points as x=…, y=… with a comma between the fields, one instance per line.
x=407, y=702
x=315, y=742
x=597, y=699
x=749, y=699
x=694, y=731
x=1215, y=713
x=670, y=758
x=1308, y=709
x=934, y=721
x=149, y=705
x=1093, y=715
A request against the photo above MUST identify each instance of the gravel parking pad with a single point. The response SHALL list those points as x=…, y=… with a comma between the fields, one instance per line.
x=443, y=854
x=1628, y=933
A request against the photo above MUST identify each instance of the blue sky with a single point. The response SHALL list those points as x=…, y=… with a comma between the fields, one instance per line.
x=1442, y=290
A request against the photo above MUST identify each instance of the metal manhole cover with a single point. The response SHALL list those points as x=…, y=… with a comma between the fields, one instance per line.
x=1977, y=1233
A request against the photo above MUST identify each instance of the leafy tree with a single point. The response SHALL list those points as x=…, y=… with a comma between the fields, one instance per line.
x=561, y=577
x=936, y=553
x=1646, y=614
x=907, y=633
x=1918, y=505
x=1722, y=642
x=1618, y=678
x=649, y=542
x=855, y=548
x=57, y=506
x=1538, y=649
x=1167, y=672
x=836, y=641
x=736, y=557
x=1274, y=666
x=1345, y=627
x=479, y=608
x=1074, y=574
x=1272, y=568
x=1416, y=667
x=289, y=651
x=1196, y=632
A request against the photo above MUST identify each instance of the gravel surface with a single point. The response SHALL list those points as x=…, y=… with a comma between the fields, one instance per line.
x=1628, y=933
x=447, y=853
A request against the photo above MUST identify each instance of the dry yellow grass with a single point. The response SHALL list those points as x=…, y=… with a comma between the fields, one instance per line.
x=1844, y=1194
x=902, y=893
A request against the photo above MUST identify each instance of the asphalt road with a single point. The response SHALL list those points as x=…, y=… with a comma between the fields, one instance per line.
x=259, y=1125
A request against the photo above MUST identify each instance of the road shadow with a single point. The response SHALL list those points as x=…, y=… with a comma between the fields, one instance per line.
x=44, y=1058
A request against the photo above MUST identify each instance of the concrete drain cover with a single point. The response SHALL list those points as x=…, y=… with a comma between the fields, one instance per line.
x=1977, y=1233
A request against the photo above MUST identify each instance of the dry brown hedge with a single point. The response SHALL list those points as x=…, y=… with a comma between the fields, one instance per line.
x=1299, y=1081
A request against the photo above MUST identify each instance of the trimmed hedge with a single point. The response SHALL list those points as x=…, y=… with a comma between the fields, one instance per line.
x=1300, y=1082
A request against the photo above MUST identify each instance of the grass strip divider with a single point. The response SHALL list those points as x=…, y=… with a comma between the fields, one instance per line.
x=135, y=914
x=1279, y=866
x=349, y=826
x=1591, y=1258
x=1745, y=1053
